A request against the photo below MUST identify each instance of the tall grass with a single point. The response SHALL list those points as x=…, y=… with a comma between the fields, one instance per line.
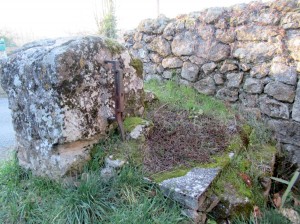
x=25, y=198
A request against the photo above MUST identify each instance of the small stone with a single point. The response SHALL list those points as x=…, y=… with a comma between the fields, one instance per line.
x=107, y=173
x=114, y=163
x=206, y=86
x=197, y=60
x=274, y=108
x=260, y=71
x=234, y=79
x=159, y=69
x=156, y=58
x=249, y=100
x=208, y=67
x=172, y=62
x=253, y=85
x=219, y=80
x=227, y=67
x=280, y=91
x=189, y=71
x=245, y=67
x=228, y=95
x=149, y=96
x=167, y=74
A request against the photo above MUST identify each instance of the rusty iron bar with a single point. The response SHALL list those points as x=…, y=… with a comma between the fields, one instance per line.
x=119, y=95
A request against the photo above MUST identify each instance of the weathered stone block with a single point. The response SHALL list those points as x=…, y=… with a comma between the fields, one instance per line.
x=161, y=46
x=280, y=91
x=293, y=44
x=255, y=33
x=296, y=106
x=227, y=66
x=256, y=52
x=153, y=26
x=260, y=70
x=286, y=131
x=274, y=108
x=209, y=67
x=291, y=20
x=206, y=86
x=189, y=71
x=228, y=95
x=212, y=50
x=188, y=189
x=253, y=85
x=206, y=32
x=283, y=72
x=183, y=44
x=249, y=100
x=61, y=94
x=225, y=36
x=234, y=79
x=219, y=80
x=172, y=62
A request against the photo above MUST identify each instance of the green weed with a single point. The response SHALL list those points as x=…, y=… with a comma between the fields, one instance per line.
x=185, y=97
x=25, y=198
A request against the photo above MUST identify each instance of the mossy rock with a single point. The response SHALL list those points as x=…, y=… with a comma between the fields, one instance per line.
x=131, y=122
x=113, y=46
x=137, y=64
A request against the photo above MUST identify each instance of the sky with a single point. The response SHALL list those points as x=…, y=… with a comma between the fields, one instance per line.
x=35, y=19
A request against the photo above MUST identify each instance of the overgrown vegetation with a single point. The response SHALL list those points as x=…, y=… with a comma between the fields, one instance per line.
x=28, y=199
x=185, y=97
x=128, y=198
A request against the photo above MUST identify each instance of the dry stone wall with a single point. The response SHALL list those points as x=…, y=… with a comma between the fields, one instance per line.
x=61, y=93
x=248, y=54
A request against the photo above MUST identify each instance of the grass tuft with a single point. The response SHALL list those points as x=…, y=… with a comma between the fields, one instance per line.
x=185, y=97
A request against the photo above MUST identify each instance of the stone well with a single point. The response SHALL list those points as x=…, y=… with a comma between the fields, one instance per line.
x=61, y=93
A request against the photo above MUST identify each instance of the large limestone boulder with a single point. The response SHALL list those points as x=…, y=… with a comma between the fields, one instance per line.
x=61, y=94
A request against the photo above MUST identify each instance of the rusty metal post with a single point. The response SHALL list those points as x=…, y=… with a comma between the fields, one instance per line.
x=119, y=95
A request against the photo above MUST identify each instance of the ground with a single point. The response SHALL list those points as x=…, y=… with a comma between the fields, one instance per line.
x=7, y=135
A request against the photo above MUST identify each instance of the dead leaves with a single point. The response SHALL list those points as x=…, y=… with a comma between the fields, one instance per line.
x=246, y=179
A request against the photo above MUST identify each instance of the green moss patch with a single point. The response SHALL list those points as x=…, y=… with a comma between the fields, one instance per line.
x=113, y=46
x=137, y=64
x=131, y=122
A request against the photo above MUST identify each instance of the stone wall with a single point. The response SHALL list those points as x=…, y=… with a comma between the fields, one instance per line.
x=61, y=94
x=248, y=54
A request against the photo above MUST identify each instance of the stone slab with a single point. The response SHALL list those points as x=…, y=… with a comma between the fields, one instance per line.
x=189, y=188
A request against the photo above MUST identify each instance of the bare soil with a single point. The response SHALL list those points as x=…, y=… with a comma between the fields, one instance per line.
x=181, y=138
